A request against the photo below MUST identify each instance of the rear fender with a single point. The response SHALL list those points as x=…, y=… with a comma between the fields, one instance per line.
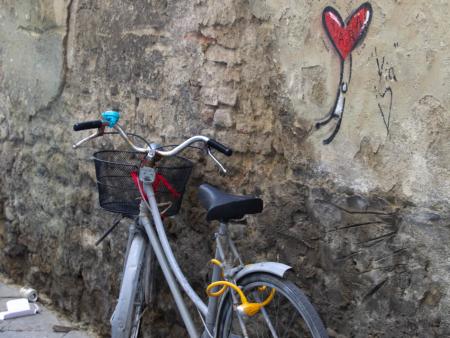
x=274, y=268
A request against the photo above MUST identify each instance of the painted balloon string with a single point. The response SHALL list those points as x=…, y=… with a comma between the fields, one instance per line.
x=345, y=37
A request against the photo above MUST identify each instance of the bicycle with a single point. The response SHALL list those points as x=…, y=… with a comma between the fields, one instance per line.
x=148, y=183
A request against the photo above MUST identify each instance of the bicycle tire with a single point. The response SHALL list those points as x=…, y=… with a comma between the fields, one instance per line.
x=138, y=307
x=150, y=272
x=308, y=320
x=127, y=314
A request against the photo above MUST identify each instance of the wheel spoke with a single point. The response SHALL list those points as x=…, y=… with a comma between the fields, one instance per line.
x=266, y=316
x=290, y=324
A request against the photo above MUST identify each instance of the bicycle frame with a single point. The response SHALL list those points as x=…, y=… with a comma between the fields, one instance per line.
x=172, y=271
x=150, y=220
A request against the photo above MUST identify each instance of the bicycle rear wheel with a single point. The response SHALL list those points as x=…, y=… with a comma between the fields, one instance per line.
x=289, y=314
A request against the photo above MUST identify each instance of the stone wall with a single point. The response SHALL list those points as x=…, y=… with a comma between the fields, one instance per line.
x=364, y=220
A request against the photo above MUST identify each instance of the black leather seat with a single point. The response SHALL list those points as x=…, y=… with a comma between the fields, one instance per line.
x=223, y=207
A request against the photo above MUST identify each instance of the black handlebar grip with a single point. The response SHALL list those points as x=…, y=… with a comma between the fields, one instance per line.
x=87, y=125
x=220, y=147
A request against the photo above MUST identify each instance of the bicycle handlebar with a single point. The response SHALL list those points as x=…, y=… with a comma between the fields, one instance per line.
x=99, y=124
x=88, y=125
x=199, y=138
x=220, y=147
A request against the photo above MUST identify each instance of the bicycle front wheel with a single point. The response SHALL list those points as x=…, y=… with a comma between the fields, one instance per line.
x=289, y=313
x=125, y=321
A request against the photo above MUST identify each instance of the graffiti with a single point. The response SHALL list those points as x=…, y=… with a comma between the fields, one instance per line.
x=384, y=92
x=345, y=37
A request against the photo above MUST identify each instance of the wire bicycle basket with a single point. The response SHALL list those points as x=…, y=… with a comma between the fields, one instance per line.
x=118, y=192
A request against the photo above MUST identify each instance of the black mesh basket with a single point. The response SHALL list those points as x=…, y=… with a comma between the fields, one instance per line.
x=118, y=192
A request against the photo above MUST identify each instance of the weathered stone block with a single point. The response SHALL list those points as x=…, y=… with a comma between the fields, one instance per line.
x=227, y=96
x=209, y=96
x=207, y=116
x=223, y=118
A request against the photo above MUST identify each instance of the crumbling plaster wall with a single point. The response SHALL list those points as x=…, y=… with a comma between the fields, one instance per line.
x=363, y=220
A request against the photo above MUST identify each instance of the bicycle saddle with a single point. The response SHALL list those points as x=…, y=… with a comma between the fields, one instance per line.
x=221, y=206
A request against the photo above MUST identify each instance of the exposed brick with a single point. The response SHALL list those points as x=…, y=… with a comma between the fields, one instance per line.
x=222, y=118
x=227, y=96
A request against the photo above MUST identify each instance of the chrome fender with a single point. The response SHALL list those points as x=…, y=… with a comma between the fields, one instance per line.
x=274, y=268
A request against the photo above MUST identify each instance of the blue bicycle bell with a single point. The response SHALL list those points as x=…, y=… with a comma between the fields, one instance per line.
x=111, y=117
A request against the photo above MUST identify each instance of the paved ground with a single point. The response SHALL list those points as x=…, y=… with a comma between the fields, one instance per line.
x=40, y=325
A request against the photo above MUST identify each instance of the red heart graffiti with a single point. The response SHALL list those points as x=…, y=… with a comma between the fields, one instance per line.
x=346, y=36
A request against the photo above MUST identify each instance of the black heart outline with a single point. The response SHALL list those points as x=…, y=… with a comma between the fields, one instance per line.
x=343, y=24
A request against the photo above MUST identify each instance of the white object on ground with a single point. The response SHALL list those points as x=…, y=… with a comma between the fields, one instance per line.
x=18, y=308
x=29, y=293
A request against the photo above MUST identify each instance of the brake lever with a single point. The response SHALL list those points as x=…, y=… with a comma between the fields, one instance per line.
x=100, y=132
x=208, y=149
